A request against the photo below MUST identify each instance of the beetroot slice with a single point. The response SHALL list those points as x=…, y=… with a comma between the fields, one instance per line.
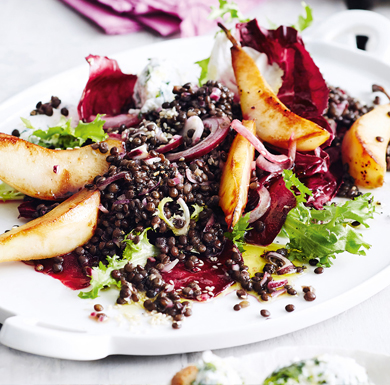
x=108, y=90
x=72, y=275
x=207, y=276
x=282, y=201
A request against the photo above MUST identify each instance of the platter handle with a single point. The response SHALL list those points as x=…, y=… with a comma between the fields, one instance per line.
x=343, y=27
x=29, y=335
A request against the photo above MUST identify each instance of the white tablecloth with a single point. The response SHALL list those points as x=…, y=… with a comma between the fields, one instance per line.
x=41, y=38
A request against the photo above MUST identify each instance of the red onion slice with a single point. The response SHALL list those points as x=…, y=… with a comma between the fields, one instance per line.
x=190, y=176
x=178, y=178
x=209, y=224
x=215, y=94
x=103, y=209
x=111, y=179
x=175, y=142
x=277, y=168
x=140, y=152
x=264, y=279
x=277, y=293
x=219, y=128
x=259, y=146
x=276, y=259
x=262, y=206
x=167, y=268
x=194, y=123
x=277, y=284
x=152, y=160
x=266, y=165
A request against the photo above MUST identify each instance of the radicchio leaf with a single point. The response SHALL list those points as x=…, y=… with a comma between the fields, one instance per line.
x=108, y=91
x=303, y=90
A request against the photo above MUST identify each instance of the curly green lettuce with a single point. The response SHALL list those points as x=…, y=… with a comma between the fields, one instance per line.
x=137, y=254
x=321, y=234
x=238, y=233
x=8, y=193
x=63, y=135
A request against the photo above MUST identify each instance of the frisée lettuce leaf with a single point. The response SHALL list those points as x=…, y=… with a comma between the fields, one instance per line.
x=321, y=234
x=63, y=135
x=136, y=253
x=306, y=20
x=238, y=232
x=101, y=277
x=8, y=193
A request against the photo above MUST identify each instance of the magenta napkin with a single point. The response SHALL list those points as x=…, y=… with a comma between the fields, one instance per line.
x=189, y=17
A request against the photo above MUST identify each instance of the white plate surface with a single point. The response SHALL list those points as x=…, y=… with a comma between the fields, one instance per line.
x=44, y=317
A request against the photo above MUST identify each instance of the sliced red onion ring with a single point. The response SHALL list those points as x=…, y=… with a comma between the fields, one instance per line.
x=215, y=94
x=242, y=130
x=103, y=209
x=277, y=168
x=190, y=176
x=152, y=160
x=277, y=293
x=277, y=284
x=292, y=149
x=175, y=142
x=209, y=224
x=264, y=279
x=178, y=177
x=219, y=128
x=167, y=268
x=286, y=267
x=262, y=206
x=140, y=152
x=129, y=120
x=194, y=123
x=111, y=179
x=273, y=168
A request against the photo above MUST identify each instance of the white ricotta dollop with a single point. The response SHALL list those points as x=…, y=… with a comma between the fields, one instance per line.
x=156, y=81
x=214, y=370
x=220, y=65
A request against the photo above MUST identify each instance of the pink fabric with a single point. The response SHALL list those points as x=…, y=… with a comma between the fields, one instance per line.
x=166, y=17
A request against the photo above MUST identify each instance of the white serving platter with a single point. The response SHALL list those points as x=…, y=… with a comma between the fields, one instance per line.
x=42, y=316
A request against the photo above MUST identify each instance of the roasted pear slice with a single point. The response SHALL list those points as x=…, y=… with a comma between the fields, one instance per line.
x=50, y=174
x=364, y=147
x=69, y=225
x=275, y=123
x=236, y=175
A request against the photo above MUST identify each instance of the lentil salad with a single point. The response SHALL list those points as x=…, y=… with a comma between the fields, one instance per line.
x=133, y=189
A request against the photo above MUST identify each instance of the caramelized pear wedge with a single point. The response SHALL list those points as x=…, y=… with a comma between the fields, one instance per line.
x=69, y=225
x=236, y=175
x=50, y=174
x=364, y=147
x=275, y=123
